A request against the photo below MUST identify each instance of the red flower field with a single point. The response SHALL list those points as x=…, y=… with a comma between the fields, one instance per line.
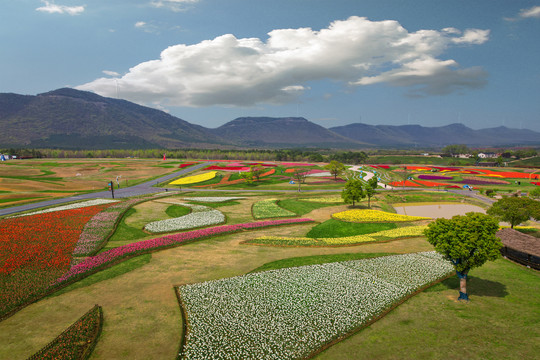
x=35, y=250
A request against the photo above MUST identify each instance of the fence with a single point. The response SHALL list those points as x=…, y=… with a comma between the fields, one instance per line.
x=523, y=258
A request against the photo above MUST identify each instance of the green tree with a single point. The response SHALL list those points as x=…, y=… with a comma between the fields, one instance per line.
x=468, y=241
x=455, y=149
x=257, y=171
x=335, y=168
x=247, y=176
x=476, y=157
x=316, y=157
x=515, y=210
x=370, y=189
x=535, y=193
x=353, y=191
x=300, y=176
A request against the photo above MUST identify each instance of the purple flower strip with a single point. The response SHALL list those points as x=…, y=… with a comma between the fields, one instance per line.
x=434, y=177
x=480, y=182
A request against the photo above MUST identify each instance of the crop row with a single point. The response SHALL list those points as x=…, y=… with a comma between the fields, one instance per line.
x=367, y=215
x=291, y=313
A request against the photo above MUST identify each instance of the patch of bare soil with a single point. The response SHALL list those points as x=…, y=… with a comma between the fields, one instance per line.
x=436, y=211
x=325, y=213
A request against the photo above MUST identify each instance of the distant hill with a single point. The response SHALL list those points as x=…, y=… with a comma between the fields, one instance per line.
x=69, y=118
x=72, y=119
x=416, y=135
x=282, y=132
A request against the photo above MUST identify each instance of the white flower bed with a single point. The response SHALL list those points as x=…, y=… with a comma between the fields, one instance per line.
x=200, y=216
x=213, y=199
x=269, y=209
x=70, y=206
x=290, y=313
x=320, y=174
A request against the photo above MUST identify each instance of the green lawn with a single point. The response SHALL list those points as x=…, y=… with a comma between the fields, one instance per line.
x=499, y=322
x=334, y=229
x=125, y=232
x=175, y=211
x=314, y=260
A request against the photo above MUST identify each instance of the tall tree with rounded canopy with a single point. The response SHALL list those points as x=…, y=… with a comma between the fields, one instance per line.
x=468, y=241
x=353, y=191
x=257, y=171
x=535, y=193
x=515, y=210
x=335, y=168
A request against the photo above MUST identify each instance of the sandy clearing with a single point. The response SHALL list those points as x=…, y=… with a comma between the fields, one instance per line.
x=437, y=210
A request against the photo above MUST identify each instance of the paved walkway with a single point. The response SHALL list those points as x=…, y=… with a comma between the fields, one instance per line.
x=369, y=175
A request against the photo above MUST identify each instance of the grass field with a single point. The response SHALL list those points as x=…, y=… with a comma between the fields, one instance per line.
x=142, y=314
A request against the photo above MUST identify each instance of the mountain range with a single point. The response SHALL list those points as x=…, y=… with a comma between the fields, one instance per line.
x=71, y=119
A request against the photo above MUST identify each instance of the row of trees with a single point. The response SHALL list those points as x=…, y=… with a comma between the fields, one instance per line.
x=317, y=155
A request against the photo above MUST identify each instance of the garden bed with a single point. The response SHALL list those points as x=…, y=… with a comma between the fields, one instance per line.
x=292, y=313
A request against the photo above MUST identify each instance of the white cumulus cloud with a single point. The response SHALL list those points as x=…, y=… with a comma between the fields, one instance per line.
x=533, y=12
x=110, y=73
x=249, y=71
x=53, y=8
x=174, y=5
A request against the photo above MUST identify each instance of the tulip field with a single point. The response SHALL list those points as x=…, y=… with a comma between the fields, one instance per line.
x=37, y=249
x=184, y=283
x=292, y=312
x=77, y=341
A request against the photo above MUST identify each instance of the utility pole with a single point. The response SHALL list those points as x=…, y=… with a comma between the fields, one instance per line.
x=111, y=187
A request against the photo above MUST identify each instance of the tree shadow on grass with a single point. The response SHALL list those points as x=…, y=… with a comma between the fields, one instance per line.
x=475, y=287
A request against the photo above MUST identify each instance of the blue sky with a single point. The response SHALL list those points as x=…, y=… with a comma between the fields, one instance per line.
x=334, y=62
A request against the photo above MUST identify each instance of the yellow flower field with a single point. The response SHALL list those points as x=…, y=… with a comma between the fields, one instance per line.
x=195, y=179
x=328, y=199
x=373, y=216
x=409, y=231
